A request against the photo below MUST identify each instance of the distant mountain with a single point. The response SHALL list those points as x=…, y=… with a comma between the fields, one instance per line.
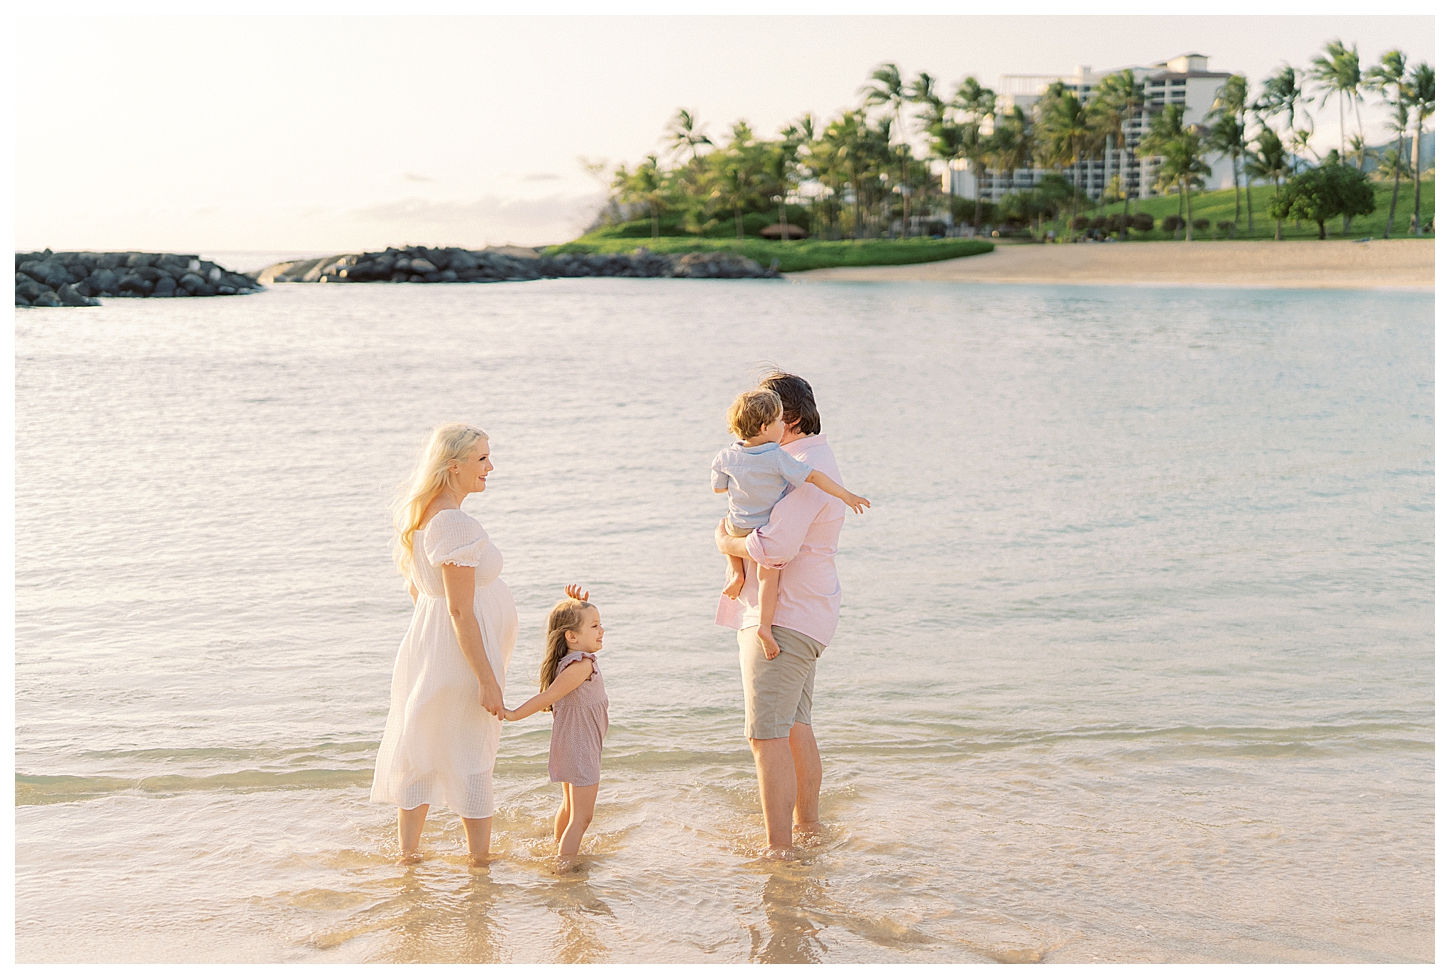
x=1427, y=148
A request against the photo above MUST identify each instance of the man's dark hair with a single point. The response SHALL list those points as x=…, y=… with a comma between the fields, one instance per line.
x=798, y=400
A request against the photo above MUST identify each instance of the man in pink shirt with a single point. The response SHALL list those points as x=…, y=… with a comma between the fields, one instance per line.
x=800, y=539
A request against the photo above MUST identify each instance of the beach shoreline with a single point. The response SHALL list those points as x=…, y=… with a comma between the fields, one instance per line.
x=1398, y=264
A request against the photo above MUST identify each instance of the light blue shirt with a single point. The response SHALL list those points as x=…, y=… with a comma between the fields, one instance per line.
x=754, y=478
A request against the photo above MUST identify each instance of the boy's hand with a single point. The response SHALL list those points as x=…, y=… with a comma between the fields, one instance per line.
x=857, y=502
x=576, y=593
x=509, y=715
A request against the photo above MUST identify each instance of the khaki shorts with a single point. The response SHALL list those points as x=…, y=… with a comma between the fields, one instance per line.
x=777, y=691
x=735, y=531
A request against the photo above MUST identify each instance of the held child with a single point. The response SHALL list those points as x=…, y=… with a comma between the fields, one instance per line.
x=755, y=473
x=572, y=686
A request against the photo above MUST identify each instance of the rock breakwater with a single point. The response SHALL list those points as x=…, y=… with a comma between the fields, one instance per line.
x=83, y=278
x=418, y=264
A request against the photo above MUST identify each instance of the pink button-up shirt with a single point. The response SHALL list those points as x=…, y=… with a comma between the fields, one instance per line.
x=801, y=540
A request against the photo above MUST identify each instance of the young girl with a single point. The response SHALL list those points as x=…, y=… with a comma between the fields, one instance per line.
x=571, y=685
x=756, y=472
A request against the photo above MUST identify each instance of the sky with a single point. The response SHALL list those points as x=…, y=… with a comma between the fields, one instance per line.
x=320, y=134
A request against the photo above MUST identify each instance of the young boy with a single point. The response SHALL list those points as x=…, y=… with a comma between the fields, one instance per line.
x=755, y=473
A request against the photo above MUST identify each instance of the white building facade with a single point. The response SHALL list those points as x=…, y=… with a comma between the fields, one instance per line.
x=1184, y=80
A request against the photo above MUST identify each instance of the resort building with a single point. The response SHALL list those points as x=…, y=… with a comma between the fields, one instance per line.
x=1184, y=80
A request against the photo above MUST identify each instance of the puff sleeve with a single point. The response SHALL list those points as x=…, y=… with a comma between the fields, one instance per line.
x=453, y=537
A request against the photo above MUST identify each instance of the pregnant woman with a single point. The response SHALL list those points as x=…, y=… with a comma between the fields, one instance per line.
x=447, y=701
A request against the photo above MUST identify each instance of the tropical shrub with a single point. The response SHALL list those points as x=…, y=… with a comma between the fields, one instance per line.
x=1172, y=223
x=1322, y=193
x=1142, y=222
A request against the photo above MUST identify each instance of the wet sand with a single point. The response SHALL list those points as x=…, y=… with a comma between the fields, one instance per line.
x=1376, y=264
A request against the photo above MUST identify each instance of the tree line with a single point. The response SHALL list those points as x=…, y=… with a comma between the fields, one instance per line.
x=868, y=171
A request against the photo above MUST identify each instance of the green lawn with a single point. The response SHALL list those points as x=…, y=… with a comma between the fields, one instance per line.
x=1218, y=205
x=792, y=256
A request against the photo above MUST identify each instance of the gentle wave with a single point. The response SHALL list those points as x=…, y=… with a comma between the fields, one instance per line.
x=1183, y=741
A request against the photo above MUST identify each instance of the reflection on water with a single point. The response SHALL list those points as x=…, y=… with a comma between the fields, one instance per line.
x=582, y=913
x=789, y=935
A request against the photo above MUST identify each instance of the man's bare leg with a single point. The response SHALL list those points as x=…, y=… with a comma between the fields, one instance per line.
x=775, y=772
x=806, y=759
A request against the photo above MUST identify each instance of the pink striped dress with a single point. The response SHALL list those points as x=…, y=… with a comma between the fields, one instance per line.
x=580, y=719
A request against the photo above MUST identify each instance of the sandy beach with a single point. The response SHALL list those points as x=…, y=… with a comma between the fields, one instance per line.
x=1376, y=264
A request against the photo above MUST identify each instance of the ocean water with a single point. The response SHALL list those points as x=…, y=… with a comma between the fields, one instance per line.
x=1135, y=659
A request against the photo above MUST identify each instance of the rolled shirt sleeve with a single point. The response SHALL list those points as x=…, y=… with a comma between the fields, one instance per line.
x=777, y=543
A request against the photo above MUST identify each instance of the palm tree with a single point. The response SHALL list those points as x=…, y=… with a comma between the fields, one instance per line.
x=1388, y=78
x=1066, y=135
x=1180, y=150
x=1337, y=72
x=1281, y=93
x=842, y=156
x=737, y=173
x=1269, y=163
x=944, y=136
x=647, y=185
x=685, y=134
x=1118, y=100
x=1013, y=144
x=1421, y=92
x=978, y=105
x=1228, y=132
x=886, y=88
x=781, y=172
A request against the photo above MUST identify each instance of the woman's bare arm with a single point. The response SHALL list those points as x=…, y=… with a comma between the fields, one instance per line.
x=458, y=589
x=564, y=684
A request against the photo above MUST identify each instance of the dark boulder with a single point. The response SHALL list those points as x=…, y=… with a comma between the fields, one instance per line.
x=103, y=282
x=135, y=285
x=45, y=299
x=191, y=282
x=70, y=295
x=111, y=260
x=27, y=288
x=51, y=273
x=165, y=287
x=137, y=259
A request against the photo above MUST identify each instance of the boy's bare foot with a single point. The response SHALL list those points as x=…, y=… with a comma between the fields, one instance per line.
x=768, y=641
x=567, y=864
x=408, y=860
x=733, y=587
x=477, y=861
x=782, y=853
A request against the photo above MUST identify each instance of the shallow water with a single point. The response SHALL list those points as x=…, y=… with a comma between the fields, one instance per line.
x=1135, y=660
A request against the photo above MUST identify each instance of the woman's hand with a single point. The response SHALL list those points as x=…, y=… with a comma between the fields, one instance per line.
x=490, y=698
x=577, y=593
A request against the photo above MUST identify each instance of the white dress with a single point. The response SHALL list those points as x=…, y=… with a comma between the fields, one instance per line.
x=439, y=744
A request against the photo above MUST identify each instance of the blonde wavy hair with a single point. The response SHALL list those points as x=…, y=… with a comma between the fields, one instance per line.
x=448, y=444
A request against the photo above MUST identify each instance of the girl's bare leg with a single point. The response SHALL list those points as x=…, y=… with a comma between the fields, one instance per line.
x=478, y=832
x=581, y=811
x=561, y=818
x=410, y=830
x=736, y=581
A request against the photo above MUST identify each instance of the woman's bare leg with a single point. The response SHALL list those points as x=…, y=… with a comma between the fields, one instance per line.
x=478, y=832
x=410, y=831
x=581, y=811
